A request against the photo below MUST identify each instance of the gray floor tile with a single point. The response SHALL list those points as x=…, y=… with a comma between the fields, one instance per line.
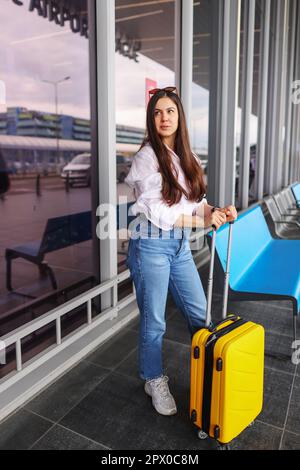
x=177, y=329
x=115, y=350
x=134, y=324
x=130, y=365
x=290, y=441
x=119, y=415
x=293, y=421
x=176, y=361
x=59, y=438
x=278, y=352
x=66, y=392
x=260, y=436
x=21, y=430
x=277, y=387
x=111, y=407
x=271, y=316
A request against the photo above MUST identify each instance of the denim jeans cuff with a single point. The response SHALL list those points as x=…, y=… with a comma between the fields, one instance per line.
x=152, y=378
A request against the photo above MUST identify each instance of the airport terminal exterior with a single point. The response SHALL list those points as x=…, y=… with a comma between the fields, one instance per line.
x=236, y=64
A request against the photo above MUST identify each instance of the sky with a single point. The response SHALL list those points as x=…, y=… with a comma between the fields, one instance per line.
x=33, y=49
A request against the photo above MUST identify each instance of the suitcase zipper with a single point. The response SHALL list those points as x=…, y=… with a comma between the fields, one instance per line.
x=208, y=372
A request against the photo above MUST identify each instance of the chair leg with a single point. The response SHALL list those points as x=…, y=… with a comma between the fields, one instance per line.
x=52, y=276
x=43, y=269
x=8, y=273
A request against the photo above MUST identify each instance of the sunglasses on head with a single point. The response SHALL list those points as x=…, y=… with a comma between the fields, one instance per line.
x=170, y=89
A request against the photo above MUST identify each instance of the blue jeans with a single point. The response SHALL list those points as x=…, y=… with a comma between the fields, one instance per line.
x=158, y=263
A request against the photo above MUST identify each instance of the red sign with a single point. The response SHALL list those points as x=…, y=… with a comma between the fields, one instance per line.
x=150, y=84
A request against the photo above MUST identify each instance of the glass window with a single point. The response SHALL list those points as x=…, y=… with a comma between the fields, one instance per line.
x=144, y=59
x=255, y=105
x=255, y=102
x=200, y=86
x=45, y=231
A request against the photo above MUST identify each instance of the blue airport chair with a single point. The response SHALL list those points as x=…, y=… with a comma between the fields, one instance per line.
x=60, y=232
x=262, y=268
x=296, y=191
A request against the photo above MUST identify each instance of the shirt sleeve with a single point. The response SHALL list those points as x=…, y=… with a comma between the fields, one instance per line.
x=203, y=200
x=198, y=204
x=144, y=175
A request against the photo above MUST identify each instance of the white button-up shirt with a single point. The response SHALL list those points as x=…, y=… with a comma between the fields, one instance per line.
x=145, y=179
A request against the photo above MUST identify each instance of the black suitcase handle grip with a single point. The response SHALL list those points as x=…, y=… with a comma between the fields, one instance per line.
x=215, y=228
x=213, y=328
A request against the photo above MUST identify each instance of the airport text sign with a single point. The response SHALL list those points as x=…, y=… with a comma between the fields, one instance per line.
x=60, y=14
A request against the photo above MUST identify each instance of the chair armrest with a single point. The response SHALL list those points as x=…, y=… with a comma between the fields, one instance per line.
x=292, y=222
x=289, y=215
x=293, y=211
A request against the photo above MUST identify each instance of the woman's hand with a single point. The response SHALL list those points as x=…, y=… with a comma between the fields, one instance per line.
x=216, y=218
x=220, y=216
x=205, y=217
x=230, y=212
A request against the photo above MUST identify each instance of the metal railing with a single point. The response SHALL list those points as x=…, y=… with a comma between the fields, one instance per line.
x=15, y=337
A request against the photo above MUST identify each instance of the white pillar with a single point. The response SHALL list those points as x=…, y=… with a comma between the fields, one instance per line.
x=186, y=69
x=105, y=70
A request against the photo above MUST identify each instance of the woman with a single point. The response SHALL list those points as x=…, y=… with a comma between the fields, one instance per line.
x=170, y=198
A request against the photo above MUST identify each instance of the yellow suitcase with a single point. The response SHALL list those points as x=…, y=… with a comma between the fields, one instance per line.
x=227, y=368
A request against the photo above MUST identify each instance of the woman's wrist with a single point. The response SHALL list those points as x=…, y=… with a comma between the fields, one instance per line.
x=214, y=208
x=208, y=215
x=189, y=221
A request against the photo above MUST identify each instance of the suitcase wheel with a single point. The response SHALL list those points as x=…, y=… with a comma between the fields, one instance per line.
x=202, y=435
x=224, y=447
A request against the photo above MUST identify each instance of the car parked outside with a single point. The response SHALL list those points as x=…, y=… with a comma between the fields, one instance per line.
x=123, y=167
x=78, y=170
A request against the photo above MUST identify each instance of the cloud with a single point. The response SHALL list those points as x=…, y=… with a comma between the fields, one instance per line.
x=32, y=49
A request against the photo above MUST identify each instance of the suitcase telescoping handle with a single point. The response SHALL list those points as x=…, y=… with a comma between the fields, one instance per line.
x=211, y=275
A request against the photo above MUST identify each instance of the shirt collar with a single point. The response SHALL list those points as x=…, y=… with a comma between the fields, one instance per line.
x=172, y=151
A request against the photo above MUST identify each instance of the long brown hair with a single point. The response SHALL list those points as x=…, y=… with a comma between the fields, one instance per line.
x=171, y=189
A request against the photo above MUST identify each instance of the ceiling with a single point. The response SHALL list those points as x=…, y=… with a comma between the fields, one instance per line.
x=150, y=26
x=151, y=23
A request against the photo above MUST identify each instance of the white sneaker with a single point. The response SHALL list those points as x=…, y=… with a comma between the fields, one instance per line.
x=162, y=400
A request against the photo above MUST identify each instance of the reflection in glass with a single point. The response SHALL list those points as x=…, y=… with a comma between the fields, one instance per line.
x=200, y=86
x=44, y=123
x=144, y=60
x=253, y=118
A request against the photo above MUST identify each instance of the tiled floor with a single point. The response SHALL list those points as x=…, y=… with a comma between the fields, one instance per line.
x=100, y=404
